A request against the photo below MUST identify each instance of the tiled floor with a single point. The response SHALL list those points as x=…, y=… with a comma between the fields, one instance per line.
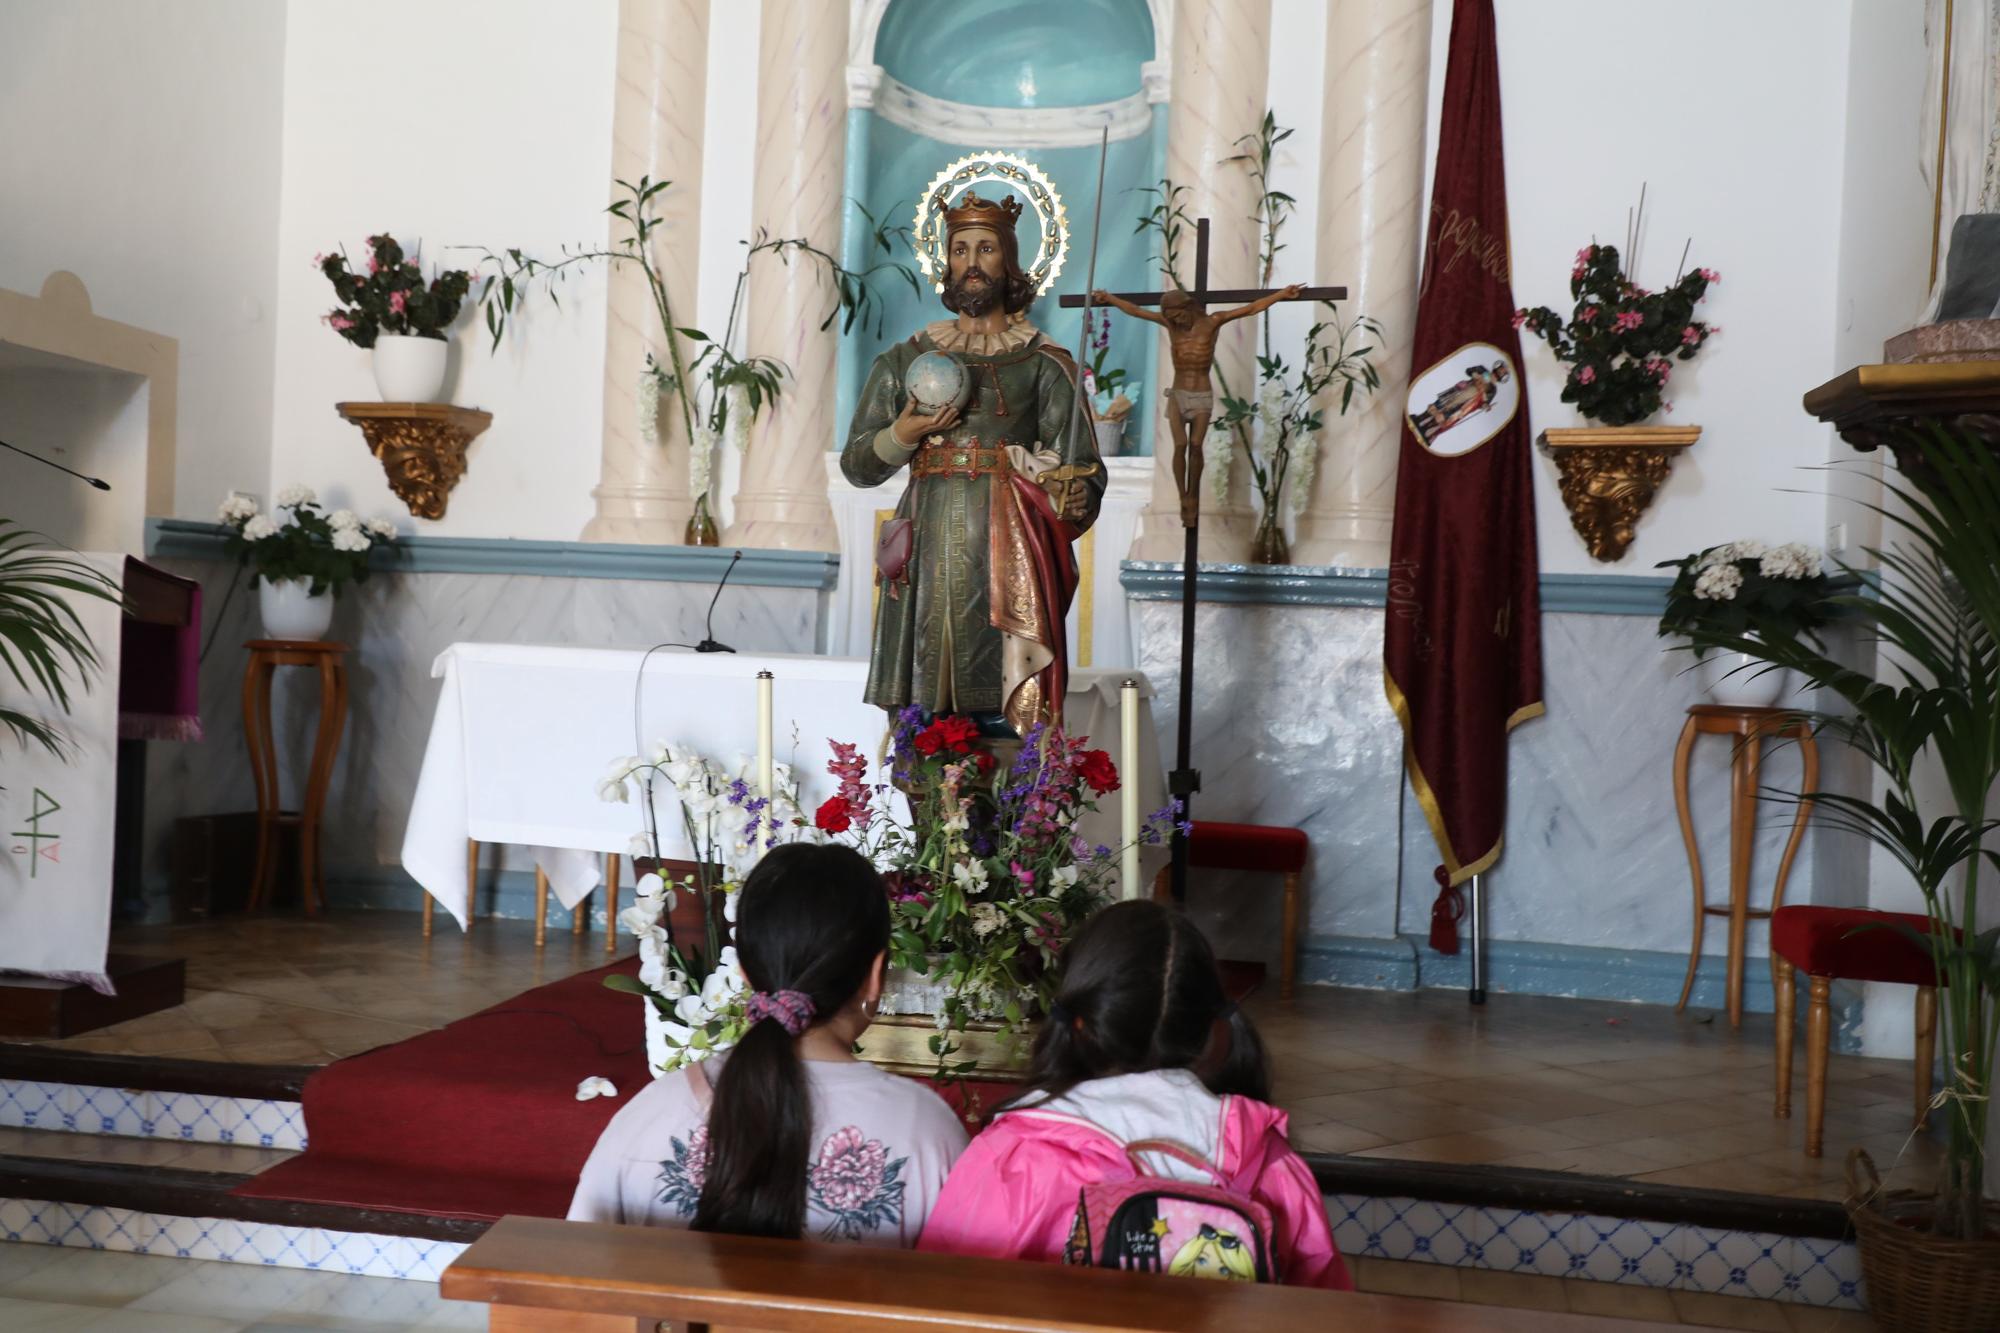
x=46, y=1288
x=131, y=1150
x=1601, y=1300
x=1529, y=1081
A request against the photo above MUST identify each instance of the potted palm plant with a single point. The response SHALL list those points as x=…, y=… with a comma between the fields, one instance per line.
x=1932, y=732
x=42, y=640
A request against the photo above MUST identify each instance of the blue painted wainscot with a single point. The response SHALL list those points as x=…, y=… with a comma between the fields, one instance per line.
x=1592, y=895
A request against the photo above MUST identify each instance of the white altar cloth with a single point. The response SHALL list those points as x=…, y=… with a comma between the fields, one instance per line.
x=523, y=734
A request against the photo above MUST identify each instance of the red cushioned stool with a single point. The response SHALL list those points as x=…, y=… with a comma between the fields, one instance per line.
x=1848, y=944
x=1280, y=851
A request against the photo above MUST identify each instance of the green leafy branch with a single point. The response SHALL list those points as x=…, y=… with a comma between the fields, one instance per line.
x=42, y=640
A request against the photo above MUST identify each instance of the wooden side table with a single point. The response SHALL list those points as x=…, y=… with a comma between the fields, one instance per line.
x=1752, y=727
x=329, y=660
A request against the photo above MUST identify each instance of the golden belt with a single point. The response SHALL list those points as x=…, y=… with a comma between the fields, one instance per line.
x=950, y=460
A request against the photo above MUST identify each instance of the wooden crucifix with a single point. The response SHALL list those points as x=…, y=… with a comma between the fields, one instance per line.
x=1191, y=333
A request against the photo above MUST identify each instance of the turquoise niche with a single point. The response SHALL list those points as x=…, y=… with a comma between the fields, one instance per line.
x=1055, y=65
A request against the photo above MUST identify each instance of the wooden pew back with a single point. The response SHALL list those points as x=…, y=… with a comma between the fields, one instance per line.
x=580, y=1277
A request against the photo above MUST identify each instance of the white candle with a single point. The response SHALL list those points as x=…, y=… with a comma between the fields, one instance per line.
x=1128, y=783
x=764, y=757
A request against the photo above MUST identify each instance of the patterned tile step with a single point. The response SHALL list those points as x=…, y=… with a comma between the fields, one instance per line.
x=1604, y=1249
x=196, y=1117
x=41, y=1222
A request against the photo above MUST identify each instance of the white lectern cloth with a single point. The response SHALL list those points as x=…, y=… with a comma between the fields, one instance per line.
x=523, y=734
x=55, y=876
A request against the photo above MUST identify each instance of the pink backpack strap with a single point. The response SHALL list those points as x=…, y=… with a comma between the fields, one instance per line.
x=1179, y=1152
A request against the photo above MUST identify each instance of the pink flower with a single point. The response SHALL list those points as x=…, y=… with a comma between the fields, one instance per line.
x=1576, y=274
x=319, y=259
x=1690, y=335
x=374, y=264
x=1587, y=315
x=1520, y=318
x=1022, y=874
x=1710, y=275
x=397, y=300
x=1585, y=255
x=849, y=1170
x=1629, y=319
x=697, y=1158
x=1586, y=374
x=1658, y=368
x=340, y=322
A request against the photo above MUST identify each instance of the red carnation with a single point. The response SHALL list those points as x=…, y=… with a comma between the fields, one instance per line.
x=835, y=816
x=953, y=732
x=1096, y=768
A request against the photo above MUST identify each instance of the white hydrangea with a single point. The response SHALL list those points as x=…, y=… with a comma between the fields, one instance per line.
x=341, y=520
x=381, y=529
x=259, y=527
x=1719, y=583
x=1731, y=551
x=349, y=539
x=293, y=496
x=237, y=508
x=1793, y=560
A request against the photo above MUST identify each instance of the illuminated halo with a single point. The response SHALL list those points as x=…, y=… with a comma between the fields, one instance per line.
x=1021, y=177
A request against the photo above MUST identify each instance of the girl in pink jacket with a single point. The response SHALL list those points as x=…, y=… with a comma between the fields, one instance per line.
x=1141, y=1045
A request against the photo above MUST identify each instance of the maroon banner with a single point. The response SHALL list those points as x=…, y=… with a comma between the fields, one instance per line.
x=1462, y=651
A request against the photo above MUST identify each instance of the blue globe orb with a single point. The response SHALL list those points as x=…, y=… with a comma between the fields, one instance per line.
x=937, y=381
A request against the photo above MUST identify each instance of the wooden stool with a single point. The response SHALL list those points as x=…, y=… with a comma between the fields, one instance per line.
x=266, y=656
x=579, y=920
x=1752, y=726
x=1851, y=944
x=1253, y=847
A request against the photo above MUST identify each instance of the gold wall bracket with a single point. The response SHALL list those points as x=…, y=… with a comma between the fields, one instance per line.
x=1609, y=475
x=421, y=445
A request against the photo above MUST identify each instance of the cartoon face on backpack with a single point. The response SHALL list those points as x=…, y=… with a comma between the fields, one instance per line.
x=1152, y=1225
x=1214, y=1253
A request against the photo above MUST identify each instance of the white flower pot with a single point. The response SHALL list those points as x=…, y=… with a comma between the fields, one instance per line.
x=1740, y=680
x=409, y=370
x=289, y=612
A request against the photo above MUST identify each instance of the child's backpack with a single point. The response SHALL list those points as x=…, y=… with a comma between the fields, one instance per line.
x=1154, y=1223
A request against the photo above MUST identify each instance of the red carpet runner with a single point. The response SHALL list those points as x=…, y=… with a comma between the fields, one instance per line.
x=478, y=1119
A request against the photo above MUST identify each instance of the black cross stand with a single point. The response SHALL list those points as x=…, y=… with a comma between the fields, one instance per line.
x=1185, y=780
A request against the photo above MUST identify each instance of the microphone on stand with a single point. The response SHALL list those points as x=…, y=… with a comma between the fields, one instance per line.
x=98, y=482
x=708, y=643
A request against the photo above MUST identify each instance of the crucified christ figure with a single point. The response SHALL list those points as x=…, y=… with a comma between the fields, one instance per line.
x=1191, y=337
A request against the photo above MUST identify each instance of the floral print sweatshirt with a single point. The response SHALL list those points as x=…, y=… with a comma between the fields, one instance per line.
x=881, y=1148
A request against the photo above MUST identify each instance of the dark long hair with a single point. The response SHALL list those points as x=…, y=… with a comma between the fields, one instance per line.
x=811, y=919
x=1140, y=990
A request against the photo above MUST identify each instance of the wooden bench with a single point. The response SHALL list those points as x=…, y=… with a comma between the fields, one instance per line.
x=587, y=1277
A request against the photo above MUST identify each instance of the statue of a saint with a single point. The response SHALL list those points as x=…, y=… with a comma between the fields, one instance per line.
x=970, y=620
x=1474, y=393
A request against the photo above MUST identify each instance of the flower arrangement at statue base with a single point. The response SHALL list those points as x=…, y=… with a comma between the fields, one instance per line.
x=987, y=874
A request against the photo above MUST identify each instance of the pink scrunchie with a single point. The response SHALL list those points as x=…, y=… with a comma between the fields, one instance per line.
x=793, y=1009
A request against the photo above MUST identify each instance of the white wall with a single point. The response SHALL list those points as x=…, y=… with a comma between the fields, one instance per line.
x=1732, y=115
x=456, y=122
x=139, y=150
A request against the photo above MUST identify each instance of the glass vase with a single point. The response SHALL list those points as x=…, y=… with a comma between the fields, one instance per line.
x=701, y=530
x=1270, y=546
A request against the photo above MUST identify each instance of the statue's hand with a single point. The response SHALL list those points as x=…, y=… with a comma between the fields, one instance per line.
x=1100, y=297
x=1291, y=293
x=913, y=424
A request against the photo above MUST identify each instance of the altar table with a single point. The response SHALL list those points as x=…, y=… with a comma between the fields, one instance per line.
x=523, y=735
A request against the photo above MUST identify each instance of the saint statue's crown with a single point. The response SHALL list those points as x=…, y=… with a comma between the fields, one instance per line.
x=972, y=211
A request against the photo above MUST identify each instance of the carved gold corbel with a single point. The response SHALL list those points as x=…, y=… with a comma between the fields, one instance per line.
x=421, y=445
x=1609, y=475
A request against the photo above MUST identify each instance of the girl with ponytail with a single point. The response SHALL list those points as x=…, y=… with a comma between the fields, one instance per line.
x=787, y=1133
x=1141, y=1047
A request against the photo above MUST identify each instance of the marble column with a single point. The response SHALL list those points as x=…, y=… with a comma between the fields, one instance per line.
x=656, y=130
x=1221, y=68
x=801, y=126
x=1370, y=190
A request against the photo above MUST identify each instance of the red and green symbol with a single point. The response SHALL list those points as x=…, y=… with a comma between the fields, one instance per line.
x=44, y=806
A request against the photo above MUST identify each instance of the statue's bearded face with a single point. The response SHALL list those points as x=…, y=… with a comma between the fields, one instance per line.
x=983, y=274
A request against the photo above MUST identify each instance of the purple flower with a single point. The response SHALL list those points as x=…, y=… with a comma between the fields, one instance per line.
x=738, y=792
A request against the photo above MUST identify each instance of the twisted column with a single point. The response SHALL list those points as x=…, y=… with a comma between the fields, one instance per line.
x=801, y=127
x=656, y=129
x=1221, y=64
x=1370, y=190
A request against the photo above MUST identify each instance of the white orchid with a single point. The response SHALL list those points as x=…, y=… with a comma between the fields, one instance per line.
x=969, y=876
x=595, y=1087
x=293, y=496
x=1064, y=877
x=259, y=527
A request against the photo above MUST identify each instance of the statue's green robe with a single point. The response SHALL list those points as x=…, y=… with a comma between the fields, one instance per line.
x=937, y=641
